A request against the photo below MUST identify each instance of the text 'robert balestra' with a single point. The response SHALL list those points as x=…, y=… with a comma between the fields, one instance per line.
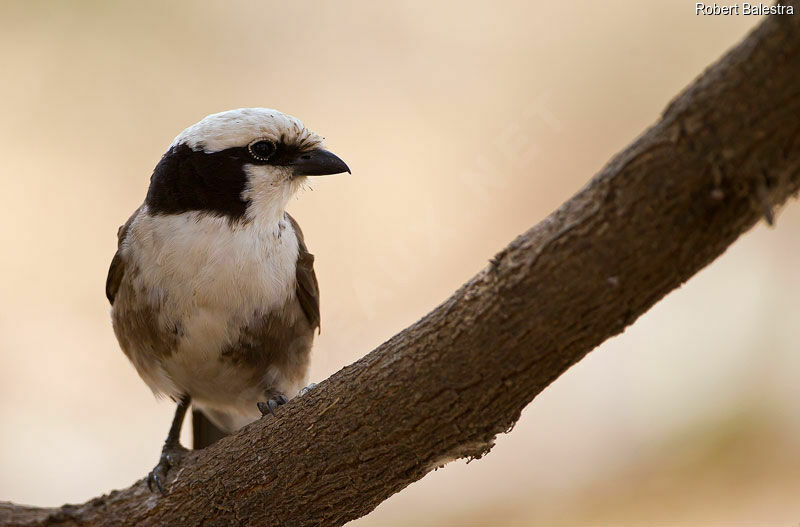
x=743, y=9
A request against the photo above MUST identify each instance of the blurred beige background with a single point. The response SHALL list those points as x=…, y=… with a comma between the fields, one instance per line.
x=464, y=123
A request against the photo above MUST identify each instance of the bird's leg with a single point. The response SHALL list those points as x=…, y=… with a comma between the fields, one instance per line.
x=307, y=389
x=172, y=452
x=274, y=400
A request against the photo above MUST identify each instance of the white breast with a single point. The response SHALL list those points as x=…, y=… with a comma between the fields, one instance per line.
x=210, y=276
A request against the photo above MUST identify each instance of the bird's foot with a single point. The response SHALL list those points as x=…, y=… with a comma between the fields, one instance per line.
x=307, y=389
x=272, y=404
x=171, y=456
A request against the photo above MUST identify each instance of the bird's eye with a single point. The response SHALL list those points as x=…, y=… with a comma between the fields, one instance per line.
x=261, y=149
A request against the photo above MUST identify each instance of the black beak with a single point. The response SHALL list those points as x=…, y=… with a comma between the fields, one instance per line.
x=317, y=162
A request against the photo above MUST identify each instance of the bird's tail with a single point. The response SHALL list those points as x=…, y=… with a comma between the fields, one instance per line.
x=204, y=433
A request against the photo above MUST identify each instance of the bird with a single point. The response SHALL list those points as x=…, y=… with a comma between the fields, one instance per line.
x=214, y=298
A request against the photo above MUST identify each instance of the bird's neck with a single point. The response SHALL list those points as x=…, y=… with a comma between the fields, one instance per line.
x=267, y=204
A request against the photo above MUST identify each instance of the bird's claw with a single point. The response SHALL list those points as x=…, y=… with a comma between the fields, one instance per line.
x=272, y=404
x=170, y=457
x=307, y=389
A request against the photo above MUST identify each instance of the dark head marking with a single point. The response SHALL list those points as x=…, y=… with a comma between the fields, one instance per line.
x=189, y=180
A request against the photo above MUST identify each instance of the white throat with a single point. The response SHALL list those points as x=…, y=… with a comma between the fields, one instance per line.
x=268, y=191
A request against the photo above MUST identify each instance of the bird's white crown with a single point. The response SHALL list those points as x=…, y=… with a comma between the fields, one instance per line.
x=239, y=127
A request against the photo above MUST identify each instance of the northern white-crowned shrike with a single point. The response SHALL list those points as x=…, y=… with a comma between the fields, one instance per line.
x=212, y=289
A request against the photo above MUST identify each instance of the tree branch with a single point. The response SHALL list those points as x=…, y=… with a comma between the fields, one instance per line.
x=723, y=155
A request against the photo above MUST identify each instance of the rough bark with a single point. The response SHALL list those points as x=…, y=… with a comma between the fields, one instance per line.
x=724, y=153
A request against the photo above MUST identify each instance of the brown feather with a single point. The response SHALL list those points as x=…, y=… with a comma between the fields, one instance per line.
x=117, y=269
x=307, y=286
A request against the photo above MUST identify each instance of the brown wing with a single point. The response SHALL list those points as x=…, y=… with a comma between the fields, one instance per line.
x=117, y=269
x=307, y=286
